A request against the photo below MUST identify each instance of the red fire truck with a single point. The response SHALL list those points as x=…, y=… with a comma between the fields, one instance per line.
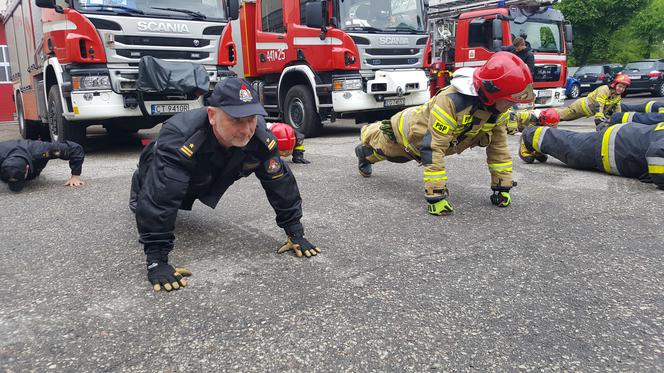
x=75, y=63
x=316, y=60
x=466, y=33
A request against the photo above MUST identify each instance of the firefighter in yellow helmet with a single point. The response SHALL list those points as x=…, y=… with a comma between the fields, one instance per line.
x=471, y=112
x=602, y=102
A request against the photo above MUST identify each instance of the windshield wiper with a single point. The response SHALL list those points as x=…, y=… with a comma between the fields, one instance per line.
x=127, y=9
x=405, y=28
x=192, y=13
x=364, y=28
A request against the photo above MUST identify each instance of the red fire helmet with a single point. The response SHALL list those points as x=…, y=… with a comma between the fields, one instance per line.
x=285, y=138
x=549, y=117
x=620, y=79
x=504, y=76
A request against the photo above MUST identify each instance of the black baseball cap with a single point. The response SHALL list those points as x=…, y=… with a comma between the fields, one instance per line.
x=237, y=98
x=12, y=172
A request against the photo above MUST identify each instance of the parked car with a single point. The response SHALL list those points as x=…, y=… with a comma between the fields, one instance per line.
x=572, y=87
x=647, y=76
x=593, y=76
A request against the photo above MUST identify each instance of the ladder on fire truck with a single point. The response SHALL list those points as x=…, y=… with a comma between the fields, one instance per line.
x=452, y=8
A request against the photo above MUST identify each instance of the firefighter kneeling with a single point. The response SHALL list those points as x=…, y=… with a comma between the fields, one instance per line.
x=471, y=112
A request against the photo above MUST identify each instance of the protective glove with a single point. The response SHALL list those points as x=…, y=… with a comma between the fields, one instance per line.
x=599, y=118
x=441, y=207
x=501, y=198
x=163, y=274
x=298, y=157
x=300, y=246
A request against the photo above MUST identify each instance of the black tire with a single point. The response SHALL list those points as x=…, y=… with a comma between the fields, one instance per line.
x=659, y=91
x=300, y=111
x=60, y=129
x=29, y=129
x=575, y=92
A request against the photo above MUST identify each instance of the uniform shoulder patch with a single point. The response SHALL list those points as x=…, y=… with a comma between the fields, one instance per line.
x=192, y=144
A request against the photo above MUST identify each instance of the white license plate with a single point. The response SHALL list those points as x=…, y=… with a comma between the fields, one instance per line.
x=163, y=109
x=544, y=94
x=585, y=85
x=635, y=76
x=401, y=101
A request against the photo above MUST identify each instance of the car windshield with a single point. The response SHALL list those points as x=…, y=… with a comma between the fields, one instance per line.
x=640, y=65
x=190, y=9
x=540, y=36
x=402, y=16
x=589, y=70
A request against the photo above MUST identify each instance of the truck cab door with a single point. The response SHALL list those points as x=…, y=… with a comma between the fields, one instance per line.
x=271, y=42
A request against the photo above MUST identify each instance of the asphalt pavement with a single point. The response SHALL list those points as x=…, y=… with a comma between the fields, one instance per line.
x=570, y=277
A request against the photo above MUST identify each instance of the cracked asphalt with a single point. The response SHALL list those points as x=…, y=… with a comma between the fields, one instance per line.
x=568, y=278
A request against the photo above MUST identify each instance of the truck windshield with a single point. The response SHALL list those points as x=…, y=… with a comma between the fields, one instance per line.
x=190, y=9
x=540, y=36
x=403, y=16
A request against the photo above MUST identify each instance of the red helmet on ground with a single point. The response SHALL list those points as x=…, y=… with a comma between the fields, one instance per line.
x=620, y=79
x=285, y=138
x=549, y=117
x=504, y=76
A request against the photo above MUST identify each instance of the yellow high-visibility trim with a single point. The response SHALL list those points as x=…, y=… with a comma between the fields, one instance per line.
x=649, y=106
x=435, y=178
x=536, y=137
x=655, y=169
x=434, y=173
x=605, y=149
x=585, y=107
x=378, y=156
x=403, y=136
x=299, y=147
x=500, y=164
x=438, y=110
x=625, y=118
x=660, y=127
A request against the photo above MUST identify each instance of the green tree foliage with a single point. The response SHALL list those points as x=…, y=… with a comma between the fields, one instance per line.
x=615, y=30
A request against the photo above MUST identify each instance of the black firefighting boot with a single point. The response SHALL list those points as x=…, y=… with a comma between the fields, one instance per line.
x=298, y=157
x=363, y=164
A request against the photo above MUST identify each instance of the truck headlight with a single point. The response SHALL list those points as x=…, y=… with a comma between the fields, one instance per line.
x=347, y=84
x=97, y=82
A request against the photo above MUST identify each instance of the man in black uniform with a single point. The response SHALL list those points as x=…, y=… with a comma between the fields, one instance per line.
x=198, y=155
x=646, y=107
x=630, y=149
x=24, y=160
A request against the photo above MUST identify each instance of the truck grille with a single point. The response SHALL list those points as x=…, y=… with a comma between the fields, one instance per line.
x=392, y=52
x=166, y=55
x=547, y=73
x=162, y=41
x=392, y=61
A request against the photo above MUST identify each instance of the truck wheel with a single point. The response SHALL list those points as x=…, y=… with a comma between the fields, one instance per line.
x=29, y=128
x=300, y=111
x=60, y=128
x=574, y=92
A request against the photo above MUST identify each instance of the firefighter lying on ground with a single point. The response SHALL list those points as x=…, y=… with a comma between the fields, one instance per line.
x=469, y=113
x=283, y=135
x=630, y=149
x=24, y=160
x=643, y=118
x=602, y=102
x=199, y=154
x=647, y=107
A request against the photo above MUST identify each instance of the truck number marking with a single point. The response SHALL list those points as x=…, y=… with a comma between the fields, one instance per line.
x=275, y=55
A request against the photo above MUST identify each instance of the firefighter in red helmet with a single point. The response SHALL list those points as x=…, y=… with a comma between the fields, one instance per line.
x=602, y=102
x=287, y=132
x=285, y=138
x=472, y=111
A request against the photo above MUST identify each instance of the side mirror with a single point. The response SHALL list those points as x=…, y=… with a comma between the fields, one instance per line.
x=314, y=14
x=569, y=47
x=497, y=29
x=45, y=3
x=233, y=9
x=569, y=35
